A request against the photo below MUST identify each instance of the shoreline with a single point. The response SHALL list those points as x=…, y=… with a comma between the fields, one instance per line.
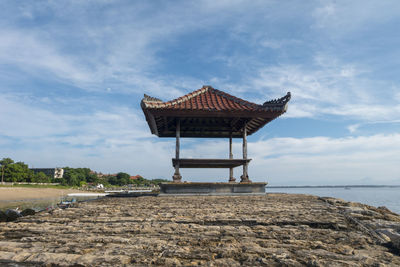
x=22, y=197
x=23, y=193
x=12, y=197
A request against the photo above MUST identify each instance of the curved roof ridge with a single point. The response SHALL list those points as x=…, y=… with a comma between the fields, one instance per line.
x=148, y=98
x=211, y=98
x=236, y=99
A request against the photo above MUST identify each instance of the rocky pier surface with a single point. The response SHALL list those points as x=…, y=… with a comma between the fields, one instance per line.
x=270, y=230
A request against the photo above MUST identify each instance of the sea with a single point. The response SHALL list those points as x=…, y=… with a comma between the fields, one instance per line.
x=373, y=196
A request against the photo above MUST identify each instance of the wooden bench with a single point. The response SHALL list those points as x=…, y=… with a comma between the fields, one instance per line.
x=210, y=163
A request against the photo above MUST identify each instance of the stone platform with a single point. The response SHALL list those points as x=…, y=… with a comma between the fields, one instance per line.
x=212, y=188
x=269, y=230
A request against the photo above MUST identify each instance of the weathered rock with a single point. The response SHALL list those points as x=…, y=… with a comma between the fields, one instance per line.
x=391, y=233
x=3, y=216
x=12, y=215
x=396, y=244
x=271, y=230
x=27, y=212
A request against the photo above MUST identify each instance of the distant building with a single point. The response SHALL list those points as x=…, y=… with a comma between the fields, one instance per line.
x=135, y=177
x=100, y=186
x=102, y=175
x=56, y=173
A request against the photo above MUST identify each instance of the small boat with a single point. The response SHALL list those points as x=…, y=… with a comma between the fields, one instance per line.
x=66, y=204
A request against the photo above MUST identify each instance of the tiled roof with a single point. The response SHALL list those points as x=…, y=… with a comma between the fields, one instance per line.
x=208, y=112
x=210, y=99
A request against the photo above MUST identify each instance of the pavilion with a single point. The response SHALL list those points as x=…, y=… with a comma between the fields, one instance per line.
x=210, y=113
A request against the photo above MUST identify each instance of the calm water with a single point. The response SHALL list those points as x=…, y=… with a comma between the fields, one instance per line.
x=373, y=196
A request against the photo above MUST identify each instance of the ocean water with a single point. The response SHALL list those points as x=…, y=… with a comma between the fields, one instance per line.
x=373, y=196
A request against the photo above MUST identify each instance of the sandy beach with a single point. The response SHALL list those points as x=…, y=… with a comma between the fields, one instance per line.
x=12, y=194
x=270, y=230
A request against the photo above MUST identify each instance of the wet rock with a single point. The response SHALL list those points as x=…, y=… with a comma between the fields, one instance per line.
x=27, y=212
x=396, y=244
x=3, y=216
x=12, y=215
x=384, y=209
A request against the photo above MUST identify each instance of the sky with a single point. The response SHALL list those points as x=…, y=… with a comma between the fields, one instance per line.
x=73, y=73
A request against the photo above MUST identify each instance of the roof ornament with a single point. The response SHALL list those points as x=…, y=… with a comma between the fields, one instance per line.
x=148, y=98
x=279, y=101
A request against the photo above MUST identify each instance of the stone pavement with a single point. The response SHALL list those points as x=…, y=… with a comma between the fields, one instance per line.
x=270, y=230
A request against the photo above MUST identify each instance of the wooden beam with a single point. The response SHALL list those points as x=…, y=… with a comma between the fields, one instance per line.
x=177, y=176
x=209, y=163
x=244, y=141
x=153, y=125
x=231, y=178
x=216, y=114
x=245, y=176
x=233, y=122
x=165, y=121
x=202, y=134
x=178, y=133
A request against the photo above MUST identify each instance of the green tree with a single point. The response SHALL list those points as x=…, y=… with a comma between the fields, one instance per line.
x=113, y=180
x=92, y=178
x=78, y=176
x=40, y=177
x=17, y=172
x=4, y=163
x=71, y=177
x=123, y=178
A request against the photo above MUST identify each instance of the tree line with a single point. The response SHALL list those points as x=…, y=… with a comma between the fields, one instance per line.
x=19, y=172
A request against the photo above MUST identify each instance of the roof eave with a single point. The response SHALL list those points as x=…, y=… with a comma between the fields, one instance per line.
x=150, y=120
x=211, y=113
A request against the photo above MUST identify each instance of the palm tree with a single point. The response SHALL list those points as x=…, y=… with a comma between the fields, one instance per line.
x=4, y=163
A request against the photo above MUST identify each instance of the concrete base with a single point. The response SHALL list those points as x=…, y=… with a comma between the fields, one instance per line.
x=212, y=189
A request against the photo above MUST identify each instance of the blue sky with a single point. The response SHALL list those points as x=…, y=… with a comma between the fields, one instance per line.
x=72, y=75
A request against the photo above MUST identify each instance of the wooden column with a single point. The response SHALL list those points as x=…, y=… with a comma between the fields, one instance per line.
x=245, y=176
x=177, y=176
x=231, y=178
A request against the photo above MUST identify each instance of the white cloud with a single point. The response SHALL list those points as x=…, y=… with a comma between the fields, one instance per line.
x=353, y=128
x=345, y=17
x=19, y=120
x=115, y=127
x=328, y=87
x=397, y=95
x=278, y=44
x=32, y=55
x=322, y=160
x=317, y=160
x=118, y=51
